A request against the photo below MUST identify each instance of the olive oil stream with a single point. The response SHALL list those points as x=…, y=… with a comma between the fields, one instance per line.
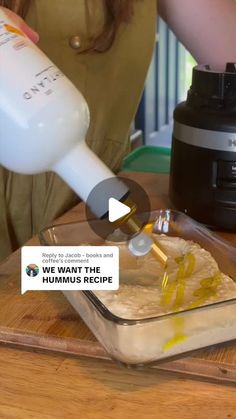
x=176, y=290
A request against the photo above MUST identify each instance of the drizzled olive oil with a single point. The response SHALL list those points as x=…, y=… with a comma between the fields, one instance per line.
x=148, y=289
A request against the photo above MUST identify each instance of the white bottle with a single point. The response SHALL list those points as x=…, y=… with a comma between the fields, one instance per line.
x=44, y=119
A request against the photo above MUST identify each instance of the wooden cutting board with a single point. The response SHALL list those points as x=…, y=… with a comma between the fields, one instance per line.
x=45, y=320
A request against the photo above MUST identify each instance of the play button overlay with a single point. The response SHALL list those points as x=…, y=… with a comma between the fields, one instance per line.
x=111, y=202
x=117, y=210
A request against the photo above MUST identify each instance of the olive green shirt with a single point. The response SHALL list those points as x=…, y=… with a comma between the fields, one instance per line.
x=112, y=83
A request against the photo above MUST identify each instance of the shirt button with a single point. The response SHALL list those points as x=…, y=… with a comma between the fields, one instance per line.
x=75, y=42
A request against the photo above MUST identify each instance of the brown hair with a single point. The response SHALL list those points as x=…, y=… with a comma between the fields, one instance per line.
x=117, y=12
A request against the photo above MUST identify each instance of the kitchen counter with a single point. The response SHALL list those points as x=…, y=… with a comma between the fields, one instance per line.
x=36, y=384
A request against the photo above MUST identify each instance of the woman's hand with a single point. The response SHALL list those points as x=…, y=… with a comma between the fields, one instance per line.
x=22, y=25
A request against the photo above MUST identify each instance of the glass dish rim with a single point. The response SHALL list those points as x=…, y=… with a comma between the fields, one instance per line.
x=107, y=314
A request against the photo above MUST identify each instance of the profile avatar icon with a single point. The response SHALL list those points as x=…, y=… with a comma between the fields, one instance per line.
x=32, y=270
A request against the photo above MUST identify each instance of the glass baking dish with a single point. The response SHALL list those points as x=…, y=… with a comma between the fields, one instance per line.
x=142, y=341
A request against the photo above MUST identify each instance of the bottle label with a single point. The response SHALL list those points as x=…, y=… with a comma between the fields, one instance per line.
x=28, y=78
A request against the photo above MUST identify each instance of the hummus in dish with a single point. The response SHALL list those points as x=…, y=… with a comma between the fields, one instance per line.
x=191, y=279
x=174, y=309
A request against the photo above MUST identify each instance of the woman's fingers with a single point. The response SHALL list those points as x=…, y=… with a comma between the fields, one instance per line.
x=34, y=36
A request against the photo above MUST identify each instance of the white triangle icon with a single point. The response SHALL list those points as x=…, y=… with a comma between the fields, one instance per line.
x=117, y=210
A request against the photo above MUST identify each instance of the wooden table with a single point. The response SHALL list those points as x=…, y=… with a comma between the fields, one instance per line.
x=44, y=385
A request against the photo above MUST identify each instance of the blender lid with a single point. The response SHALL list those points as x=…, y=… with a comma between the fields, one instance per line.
x=211, y=84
